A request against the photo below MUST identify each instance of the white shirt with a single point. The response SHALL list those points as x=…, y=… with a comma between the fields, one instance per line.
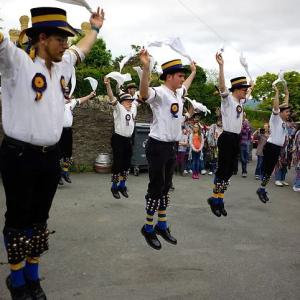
x=167, y=107
x=124, y=119
x=36, y=122
x=278, y=129
x=68, y=113
x=232, y=113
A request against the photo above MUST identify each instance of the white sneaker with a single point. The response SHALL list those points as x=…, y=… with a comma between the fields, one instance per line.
x=278, y=183
x=203, y=172
x=296, y=189
x=185, y=172
x=244, y=175
x=210, y=173
x=285, y=183
x=190, y=171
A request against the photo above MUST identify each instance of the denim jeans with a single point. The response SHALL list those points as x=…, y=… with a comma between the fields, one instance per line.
x=258, y=165
x=280, y=174
x=195, y=161
x=244, y=157
x=297, y=178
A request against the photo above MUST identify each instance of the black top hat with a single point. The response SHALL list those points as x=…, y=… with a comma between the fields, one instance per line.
x=125, y=96
x=239, y=83
x=171, y=67
x=45, y=18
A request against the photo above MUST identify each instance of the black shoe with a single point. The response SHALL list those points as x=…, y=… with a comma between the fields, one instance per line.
x=60, y=181
x=266, y=197
x=66, y=177
x=123, y=191
x=115, y=193
x=19, y=293
x=172, y=188
x=151, y=239
x=214, y=208
x=223, y=210
x=36, y=290
x=262, y=195
x=166, y=235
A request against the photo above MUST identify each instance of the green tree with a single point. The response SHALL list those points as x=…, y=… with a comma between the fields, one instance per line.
x=99, y=56
x=263, y=89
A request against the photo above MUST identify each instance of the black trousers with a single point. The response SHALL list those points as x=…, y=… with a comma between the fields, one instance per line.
x=30, y=179
x=161, y=158
x=270, y=158
x=228, y=150
x=122, y=152
x=66, y=143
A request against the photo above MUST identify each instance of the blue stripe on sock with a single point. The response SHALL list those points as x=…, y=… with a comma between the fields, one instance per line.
x=114, y=185
x=17, y=278
x=31, y=271
x=149, y=228
x=122, y=184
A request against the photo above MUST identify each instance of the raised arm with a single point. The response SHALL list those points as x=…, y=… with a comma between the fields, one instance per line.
x=96, y=21
x=187, y=83
x=86, y=98
x=144, y=83
x=276, y=100
x=220, y=62
x=109, y=91
x=250, y=89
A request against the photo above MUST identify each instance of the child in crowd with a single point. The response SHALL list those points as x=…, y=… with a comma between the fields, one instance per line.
x=196, y=142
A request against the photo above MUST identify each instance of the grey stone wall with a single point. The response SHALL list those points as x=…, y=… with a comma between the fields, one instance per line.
x=92, y=129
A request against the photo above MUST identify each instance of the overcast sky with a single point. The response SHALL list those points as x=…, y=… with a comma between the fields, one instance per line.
x=267, y=31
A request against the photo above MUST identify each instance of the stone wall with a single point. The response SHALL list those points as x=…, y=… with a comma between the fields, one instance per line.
x=92, y=129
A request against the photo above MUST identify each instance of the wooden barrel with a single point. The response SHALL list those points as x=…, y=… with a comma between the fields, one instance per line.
x=103, y=163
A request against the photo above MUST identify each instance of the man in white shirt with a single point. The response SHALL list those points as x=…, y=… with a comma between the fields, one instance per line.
x=32, y=113
x=228, y=141
x=278, y=133
x=166, y=102
x=124, y=113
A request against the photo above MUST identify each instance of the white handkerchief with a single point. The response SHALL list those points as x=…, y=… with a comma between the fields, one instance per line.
x=244, y=64
x=120, y=78
x=125, y=60
x=174, y=43
x=73, y=82
x=93, y=82
x=280, y=79
x=198, y=106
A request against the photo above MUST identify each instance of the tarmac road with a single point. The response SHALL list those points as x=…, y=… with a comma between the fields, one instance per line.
x=98, y=251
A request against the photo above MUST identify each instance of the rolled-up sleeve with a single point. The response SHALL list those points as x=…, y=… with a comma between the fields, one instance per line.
x=73, y=55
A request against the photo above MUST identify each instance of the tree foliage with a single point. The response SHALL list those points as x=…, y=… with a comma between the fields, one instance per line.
x=263, y=89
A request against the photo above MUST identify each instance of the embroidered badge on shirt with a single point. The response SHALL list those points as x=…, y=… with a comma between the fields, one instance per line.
x=64, y=87
x=39, y=85
x=174, y=110
x=239, y=110
x=127, y=118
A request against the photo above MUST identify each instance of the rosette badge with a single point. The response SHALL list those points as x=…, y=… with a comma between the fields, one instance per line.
x=39, y=85
x=174, y=110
